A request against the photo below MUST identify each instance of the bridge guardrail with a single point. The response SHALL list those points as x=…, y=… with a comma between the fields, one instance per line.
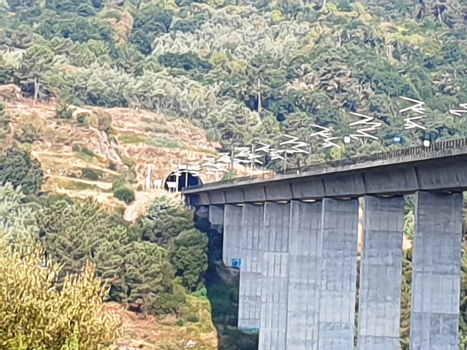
x=405, y=152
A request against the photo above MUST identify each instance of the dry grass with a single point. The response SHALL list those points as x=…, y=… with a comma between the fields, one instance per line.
x=143, y=137
x=146, y=138
x=151, y=333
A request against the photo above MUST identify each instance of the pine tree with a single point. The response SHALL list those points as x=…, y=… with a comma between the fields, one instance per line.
x=148, y=275
x=20, y=169
x=32, y=75
x=189, y=257
x=164, y=221
x=4, y=124
x=73, y=233
x=140, y=273
x=111, y=257
x=17, y=225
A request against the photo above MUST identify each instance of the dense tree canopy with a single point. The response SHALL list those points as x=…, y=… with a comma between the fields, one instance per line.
x=150, y=276
x=209, y=61
x=246, y=71
x=19, y=168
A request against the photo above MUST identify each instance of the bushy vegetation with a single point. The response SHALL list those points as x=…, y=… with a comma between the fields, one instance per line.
x=123, y=190
x=243, y=70
x=64, y=112
x=209, y=61
x=19, y=168
x=125, y=193
x=4, y=122
x=35, y=314
x=59, y=242
x=142, y=273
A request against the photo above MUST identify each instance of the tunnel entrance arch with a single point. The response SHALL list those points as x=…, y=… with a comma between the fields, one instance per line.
x=178, y=180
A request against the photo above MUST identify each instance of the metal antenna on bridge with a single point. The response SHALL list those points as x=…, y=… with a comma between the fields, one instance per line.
x=253, y=156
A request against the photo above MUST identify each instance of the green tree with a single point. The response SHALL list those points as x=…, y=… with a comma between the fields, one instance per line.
x=6, y=71
x=19, y=168
x=4, y=122
x=20, y=38
x=189, y=257
x=33, y=73
x=35, y=313
x=149, y=276
x=165, y=221
x=72, y=233
x=150, y=21
x=17, y=223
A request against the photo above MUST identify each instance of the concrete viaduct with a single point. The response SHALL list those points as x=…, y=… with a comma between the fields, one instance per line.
x=294, y=238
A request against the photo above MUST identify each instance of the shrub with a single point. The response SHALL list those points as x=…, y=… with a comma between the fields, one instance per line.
x=34, y=314
x=63, y=112
x=189, y=257
x=27, y=134
x=92, y=174
x=192, y=318
x=20, y=169
x=118, y=183
x=81, y=118
x=125, y=194
x=164, y=221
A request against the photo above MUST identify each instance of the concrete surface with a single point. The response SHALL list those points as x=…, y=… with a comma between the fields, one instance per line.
x=232, y=233
x=380, y=274
x=274, y=243
x=304, y=276
x=249, y=303
x=338, y=274
x=436, y=272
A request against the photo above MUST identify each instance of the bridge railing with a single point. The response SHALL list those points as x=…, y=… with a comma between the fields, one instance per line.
x=404, y=152
x=399, y=153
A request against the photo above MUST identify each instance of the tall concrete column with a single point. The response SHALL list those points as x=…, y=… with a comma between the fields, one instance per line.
x=249, y=306
x=216, y=215
x=304, y=276
x=434, y=322
x=232, y=233
x=380, y=274
x=338, y=274
x=274, y=245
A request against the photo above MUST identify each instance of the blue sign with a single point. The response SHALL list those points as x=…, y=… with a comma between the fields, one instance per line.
x=252, y=330
x=236, y=263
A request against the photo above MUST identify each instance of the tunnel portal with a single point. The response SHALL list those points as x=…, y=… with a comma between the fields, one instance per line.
x=181, y=179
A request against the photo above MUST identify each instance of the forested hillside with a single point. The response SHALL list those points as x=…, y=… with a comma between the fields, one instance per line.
x=121, y=75
x=153, y=268
x=209, y=61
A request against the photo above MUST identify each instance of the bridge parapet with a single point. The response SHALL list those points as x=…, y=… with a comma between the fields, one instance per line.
x=440, y=167
x=436, y=150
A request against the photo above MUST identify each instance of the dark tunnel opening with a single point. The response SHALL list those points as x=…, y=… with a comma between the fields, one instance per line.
x=185, y=179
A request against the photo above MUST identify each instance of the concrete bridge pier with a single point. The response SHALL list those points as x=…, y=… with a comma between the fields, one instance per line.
x=339, y=226
x=233, y=218
x=380, y=274
x=216, y=216
x=242, y=230
x=274, y=244
x=436, y=272
x=304, y=275
x=249, y=306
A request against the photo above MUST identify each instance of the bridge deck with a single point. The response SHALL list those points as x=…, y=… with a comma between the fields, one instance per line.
x=436, y=151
